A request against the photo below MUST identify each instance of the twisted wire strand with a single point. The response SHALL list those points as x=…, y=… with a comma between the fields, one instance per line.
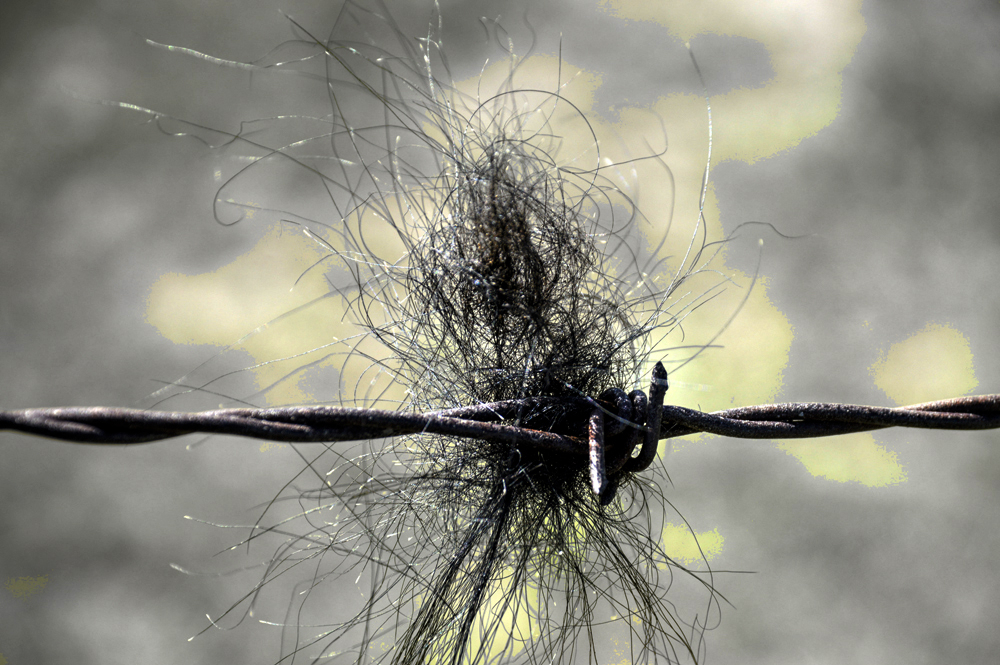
x=113, y=425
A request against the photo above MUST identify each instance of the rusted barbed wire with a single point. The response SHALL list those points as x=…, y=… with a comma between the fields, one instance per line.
x=112, y=425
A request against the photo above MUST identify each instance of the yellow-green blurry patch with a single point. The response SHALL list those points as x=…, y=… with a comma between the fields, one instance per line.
x=533, y=78
x=622, y=648
x=809, y=44
x=376, y=650
x=507, y=619
x=268, y=446
x=749, y=368
x=851, y=458
x=251, y=294
x=688, y=548
x=934, y=363
x=24, y=587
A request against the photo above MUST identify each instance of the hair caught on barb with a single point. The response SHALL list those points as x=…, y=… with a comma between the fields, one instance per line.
x=521, y=274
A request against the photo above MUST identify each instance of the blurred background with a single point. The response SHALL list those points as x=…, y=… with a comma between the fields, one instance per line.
x=867, y=129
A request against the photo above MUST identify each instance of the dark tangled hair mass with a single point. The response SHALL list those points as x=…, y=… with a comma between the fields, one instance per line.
x=523, y=275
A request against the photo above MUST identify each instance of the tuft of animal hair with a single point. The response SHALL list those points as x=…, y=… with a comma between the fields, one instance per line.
x=521, y=273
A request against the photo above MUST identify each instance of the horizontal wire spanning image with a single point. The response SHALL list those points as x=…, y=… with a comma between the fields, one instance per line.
x=793, y=420
x=575, y=440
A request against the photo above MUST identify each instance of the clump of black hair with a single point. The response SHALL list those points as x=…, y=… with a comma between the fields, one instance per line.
x=508, y=297
x=520, y=279
x=510, y=286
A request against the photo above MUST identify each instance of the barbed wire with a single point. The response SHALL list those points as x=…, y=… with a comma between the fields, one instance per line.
x=304, y=424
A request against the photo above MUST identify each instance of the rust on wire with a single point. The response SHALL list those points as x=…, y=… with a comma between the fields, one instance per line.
x=112, y=425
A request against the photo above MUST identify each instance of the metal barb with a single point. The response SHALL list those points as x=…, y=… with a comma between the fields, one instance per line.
x=657, y=391
x=595, y=434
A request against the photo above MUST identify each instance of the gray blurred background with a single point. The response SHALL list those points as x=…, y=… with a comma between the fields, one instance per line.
x=898, y=198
